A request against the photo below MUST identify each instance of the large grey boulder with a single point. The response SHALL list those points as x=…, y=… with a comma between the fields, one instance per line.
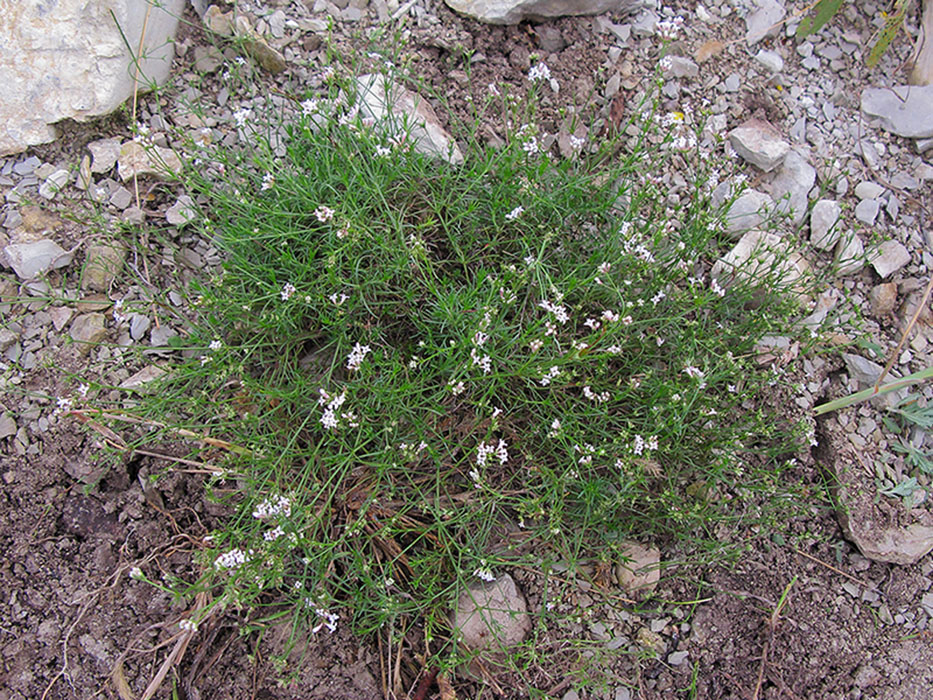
x=68, y=59
x=514, y=11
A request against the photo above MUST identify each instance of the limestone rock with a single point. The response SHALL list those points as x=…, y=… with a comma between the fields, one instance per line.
x=7, y=426
x=850, y=254
x=748, y=211
x=759, y=143
x=514, y=11
x=921, y=72
x=763, y=258
x=764, y=20
x=181, y=212
x=105, y=153
x=69, y=60
x=824, y=233
x=88, y=330
x=792, y=186
x=638, y=570
x=889, y=257
x=143, y=377
x=29, y=260
x=883, y=299
x=257, y=47
x=492, y=615
x=390, y=104
x=905, y=110
x=770, y=60
x=137, y=159
x=54, y=183
x=867, y=210
x=102, y=265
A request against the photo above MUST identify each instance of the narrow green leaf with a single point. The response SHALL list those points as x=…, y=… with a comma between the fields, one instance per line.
x=816, y=20
x=892, y=24
x=870, y=392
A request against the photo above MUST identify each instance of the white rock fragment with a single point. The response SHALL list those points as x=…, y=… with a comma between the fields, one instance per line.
x=514, y=11
x=866, y=211
x=889, y=257
x=763, y=259
x=759, y=143
x=868, y=190
x=87, y=330
x=792, y=185
x=181, y=212
x=824, y=232
x=390, y=105
x=681, y=67
x=638, y=570
x=29, y=260
x=54, y=183
x=139, y=160
x=850, y=254
x=771, y=61
x=764, y=20
x=105, y=153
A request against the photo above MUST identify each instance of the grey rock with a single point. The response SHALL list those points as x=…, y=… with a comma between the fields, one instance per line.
x=805, y=49
x=492, y=615
x=732, y=83
x=121, y=198
x=770, y=61
x=866, y=373
x=181, y=212
x=792, y=185
x=683, y=67
x=764, y=20
x=207, y=59
x=277, y=24
x=514, y=11
x=866, y=211
x=29, y=260
x=904, y=181
x=73, y=60
x=87, y=330
x=762, y=258
x=154, y=161
x=868, y=190
x=889, y=257
x=160, y=335
x=139, y=324
x=27, y=166
x=677, y=658
x=810, y=63
x=747, y=212
x=882, y=299
x=759, y=143
x=61, y=315
x=638, y=569
x=905, y=110
x=645, y=24
x=927, y=603
x=7, y=338
x=380, y=99
x=105, y=153
x=824, y=218
x=7, y=426
x=143, y=377
x=54, y=183
x=102, y=264
x=549, y=38
x=850, y=254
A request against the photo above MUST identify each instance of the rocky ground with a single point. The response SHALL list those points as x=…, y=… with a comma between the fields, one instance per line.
x=75, y=521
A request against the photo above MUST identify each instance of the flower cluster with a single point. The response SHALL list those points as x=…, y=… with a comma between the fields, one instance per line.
x=231, y=559
x=486, y=449
x=273, y=506
x=539, y=71
x=356, y=356
x=640, y=444
x=330, y=419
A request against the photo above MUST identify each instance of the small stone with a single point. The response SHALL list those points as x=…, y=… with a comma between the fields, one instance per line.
x=54, y=183
x=257, y=47
x=549, y=38
x=677, y=658
x=645, y=24
x=732, y=83
x=155, y=161
x=29, y=260
x=492, y=614
x=868, y=190
x=883, y=299
x=638, y=570
x=760, y=258
x=7, y=426
x=683, y=67
x=87, y=330
x=218, y=21
x=105, y=153
x=570, y=695
x=792, y=185
x=905, y=110
x=207, y=59
x=747, y=212
x=181, y=212
x=759, y=143
x=85, y=179
x=133, y=215
x=139, y=324
x=160, y=335
x=121, y=198
x=770, y=61
x=889, y=257
x=652, y=641
x=823, y=219
x=143, y=377
x=60, y=316
x=763, y=20
x=850, y=254
x=866, y=211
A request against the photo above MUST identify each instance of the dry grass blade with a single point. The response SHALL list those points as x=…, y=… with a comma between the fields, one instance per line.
x=447, y=690
x=910, y=326
x=773, y=621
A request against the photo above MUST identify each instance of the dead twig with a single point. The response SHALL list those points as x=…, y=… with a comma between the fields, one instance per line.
x=772, y=622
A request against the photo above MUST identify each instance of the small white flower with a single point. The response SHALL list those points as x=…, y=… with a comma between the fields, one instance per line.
x=535, y=344
x=552, y=374
x=241, y=116
x=383, y=152
x=188, y=625
x=515, y=213
x=268, y=182
x=604, y=268
x=576, y=143
x=231, y=559
x=356, y=356
x=610, y=316
x=716, y=289
x=539, y=71
x=324, y=214
x=309, y=107
x=693, y=372
x=555, y=429
x=484, y=573
x=274, y=534
x=592, y=323
x=273, y=506
x=215, y=345
x=666, y=63
x=83, y=389
x=456, y=389
x=287, y=291
x=136, y=573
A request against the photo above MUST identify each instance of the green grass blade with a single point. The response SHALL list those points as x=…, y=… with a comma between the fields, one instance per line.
x=866, y=394
x=817, y=19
